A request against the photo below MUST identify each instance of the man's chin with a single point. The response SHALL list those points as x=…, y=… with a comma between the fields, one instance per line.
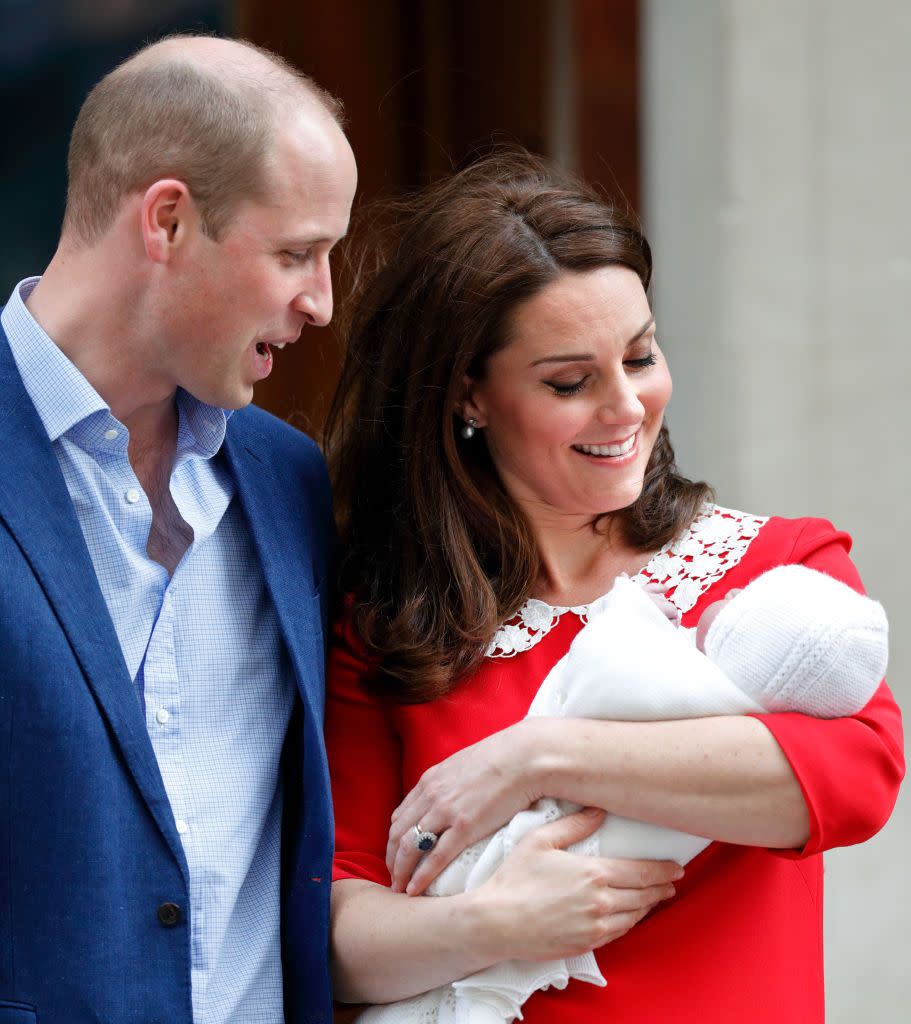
x=230, y=401
x=237, y=402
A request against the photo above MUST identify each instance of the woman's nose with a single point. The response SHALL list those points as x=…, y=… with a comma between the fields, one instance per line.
x=621, y=404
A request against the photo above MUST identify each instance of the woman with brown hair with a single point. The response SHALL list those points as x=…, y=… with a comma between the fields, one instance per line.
x=500, y=457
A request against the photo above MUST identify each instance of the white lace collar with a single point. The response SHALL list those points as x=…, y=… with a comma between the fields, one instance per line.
x=715, y=543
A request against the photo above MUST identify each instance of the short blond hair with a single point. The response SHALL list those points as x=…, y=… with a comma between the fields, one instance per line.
x=169, y=117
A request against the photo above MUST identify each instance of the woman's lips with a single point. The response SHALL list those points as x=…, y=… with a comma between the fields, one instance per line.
x=615, y=450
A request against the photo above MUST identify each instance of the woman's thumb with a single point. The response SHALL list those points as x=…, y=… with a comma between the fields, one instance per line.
x=571, y=829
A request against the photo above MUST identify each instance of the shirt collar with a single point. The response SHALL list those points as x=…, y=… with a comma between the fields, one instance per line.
x=64, y=399
x=202, y=427
x=60, y=393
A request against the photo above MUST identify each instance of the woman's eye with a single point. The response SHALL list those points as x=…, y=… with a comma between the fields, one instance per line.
x=565, y=390
x=640, y=364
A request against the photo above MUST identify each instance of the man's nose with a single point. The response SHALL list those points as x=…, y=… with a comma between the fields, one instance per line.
x=315, y=297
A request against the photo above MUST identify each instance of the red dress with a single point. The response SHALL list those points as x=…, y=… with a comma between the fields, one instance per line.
x=742, y=939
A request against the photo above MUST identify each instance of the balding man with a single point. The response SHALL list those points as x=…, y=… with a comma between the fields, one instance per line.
x=162, y=597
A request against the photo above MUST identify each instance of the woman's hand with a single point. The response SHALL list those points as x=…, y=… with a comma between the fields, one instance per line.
x=462, y=799
x=544, y=903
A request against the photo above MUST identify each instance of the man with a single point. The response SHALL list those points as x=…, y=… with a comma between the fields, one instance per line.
x=162, y=603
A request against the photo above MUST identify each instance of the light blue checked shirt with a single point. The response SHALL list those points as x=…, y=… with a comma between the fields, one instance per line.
x=205, y=655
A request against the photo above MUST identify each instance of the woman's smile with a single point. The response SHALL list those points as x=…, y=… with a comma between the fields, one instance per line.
x=615, y=452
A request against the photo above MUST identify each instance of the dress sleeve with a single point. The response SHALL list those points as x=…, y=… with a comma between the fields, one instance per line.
x=849, y=769
x=365, y=760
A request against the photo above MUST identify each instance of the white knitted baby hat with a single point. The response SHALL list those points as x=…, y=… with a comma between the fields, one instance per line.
x=798, y=639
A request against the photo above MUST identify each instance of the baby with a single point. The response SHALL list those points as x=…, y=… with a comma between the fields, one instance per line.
x=796, y=640
x=792, y=640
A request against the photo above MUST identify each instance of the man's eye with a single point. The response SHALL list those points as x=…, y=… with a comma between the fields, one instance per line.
x=565, y=390
x=296, y=256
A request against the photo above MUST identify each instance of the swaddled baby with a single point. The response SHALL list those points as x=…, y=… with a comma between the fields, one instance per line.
x=793, y=640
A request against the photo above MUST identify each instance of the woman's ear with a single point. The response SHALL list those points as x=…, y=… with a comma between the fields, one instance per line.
x=471, y=405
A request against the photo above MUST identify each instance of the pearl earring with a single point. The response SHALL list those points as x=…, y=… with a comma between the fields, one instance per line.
x=469, y=428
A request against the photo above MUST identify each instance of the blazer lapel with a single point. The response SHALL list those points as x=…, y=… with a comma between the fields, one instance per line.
x=284, y=554
x=37, y=509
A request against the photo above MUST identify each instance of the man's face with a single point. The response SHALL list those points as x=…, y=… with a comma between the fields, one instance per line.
x=250, y=293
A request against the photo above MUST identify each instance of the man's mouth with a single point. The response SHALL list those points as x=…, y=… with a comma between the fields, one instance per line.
x=264, y=348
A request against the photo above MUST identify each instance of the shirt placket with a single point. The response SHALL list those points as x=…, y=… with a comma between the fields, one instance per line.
x=164, y=723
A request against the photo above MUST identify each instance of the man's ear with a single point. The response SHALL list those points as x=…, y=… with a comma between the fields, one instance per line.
x=471, y=404
x=167, y=216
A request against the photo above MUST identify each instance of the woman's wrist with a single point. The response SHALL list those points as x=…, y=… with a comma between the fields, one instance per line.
x=540, y=755
x=490, y=924
x=558, y=756
x=484, y=927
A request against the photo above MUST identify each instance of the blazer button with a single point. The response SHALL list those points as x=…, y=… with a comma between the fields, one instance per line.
x=170, y=914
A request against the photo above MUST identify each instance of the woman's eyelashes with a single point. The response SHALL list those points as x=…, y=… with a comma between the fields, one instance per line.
x=641, y=363
x=564, y=389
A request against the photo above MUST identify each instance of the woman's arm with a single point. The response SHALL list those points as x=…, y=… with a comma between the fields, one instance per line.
x=783, y=781
x=725, y=778
x=543, y=903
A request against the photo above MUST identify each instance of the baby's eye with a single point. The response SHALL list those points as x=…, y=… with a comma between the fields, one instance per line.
x=565, y=390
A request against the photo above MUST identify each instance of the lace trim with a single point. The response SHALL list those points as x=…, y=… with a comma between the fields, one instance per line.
x=689, y=565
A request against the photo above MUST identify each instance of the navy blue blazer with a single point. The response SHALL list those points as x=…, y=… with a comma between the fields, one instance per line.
x=89, y=855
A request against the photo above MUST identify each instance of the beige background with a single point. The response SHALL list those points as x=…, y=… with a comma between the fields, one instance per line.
x=777, y=160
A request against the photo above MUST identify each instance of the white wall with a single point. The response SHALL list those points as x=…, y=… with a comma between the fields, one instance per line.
x=777, y=143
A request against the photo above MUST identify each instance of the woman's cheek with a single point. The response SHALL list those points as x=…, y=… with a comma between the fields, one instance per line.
x=658, y=393
x=665, y=383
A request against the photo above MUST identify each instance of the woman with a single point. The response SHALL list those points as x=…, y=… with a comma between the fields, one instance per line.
x=500, y=458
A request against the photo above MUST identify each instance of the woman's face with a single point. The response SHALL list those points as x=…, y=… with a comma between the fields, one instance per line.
x=572, y=405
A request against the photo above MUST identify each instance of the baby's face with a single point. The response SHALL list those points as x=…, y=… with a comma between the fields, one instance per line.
x=709, y=616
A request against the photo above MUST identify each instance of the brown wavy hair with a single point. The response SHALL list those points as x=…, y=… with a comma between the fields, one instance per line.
x=436, y=553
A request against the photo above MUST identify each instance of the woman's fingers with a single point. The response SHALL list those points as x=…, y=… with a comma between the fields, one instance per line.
x=572, y=828
x=406, y=855
x=467, y=796
x=547, y=901
x=431, y=865
x=639, y=874
x=412, y=871
x=402, y=852
x=401, y=845
x=557, y=834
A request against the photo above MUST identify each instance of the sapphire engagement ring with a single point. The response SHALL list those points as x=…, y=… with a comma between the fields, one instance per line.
x=424, y=841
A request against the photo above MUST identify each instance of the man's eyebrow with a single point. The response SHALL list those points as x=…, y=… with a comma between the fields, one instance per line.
x=588, y=357
x=303, y=241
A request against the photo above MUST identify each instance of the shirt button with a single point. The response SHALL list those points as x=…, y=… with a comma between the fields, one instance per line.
x=111, y=434
x=181, y=826
x=161, y=716
x=132, y=495
x=170, y=914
